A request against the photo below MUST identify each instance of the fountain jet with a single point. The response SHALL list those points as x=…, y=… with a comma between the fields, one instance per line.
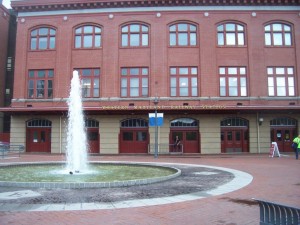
x=76, y=151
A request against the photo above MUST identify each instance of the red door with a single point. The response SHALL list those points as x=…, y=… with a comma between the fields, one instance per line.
x=189, y=140
x=234, y=140
x=93, y=140
x=284, y=137
x=134, y=140
x=38, y=139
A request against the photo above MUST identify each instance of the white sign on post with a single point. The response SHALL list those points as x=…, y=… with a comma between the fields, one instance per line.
x=274, y=150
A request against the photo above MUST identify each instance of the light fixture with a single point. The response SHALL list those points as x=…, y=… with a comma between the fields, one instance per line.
x=260, y=121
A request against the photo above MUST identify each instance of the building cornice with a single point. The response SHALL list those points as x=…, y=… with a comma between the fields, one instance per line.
x=55, y=5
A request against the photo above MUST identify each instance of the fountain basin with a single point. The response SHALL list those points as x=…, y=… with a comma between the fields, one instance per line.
x=100, y=175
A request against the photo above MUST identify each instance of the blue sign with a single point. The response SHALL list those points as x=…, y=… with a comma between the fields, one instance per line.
x=159, y=122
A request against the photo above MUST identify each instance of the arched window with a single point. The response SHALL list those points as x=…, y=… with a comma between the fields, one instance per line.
x=88, y=36
x=91, y=123
x=135, y=35
x=278, y=34
x=42, y=38
x=231, y=34
x=283, y=121
x=234, y=122
x=184, y=122
x=183, y=34
x=39, y=123
x=136, y=122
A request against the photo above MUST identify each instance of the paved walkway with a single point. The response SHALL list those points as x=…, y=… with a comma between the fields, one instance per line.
x=274, y=179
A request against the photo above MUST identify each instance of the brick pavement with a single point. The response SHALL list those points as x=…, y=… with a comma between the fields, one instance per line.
x=275, y=179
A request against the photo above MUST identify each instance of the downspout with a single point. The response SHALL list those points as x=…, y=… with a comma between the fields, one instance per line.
x=60, y=150
x=258, y=133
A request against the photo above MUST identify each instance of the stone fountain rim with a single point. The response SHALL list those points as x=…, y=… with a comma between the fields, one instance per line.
x=84, y=185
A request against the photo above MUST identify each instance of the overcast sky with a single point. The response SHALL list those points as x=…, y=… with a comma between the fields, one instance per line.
x=6, y=3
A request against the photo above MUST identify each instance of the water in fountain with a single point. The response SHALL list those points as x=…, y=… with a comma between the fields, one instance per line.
x=76, y=135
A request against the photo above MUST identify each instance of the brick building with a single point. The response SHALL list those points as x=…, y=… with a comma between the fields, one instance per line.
x=7, y=41
x=225, y=74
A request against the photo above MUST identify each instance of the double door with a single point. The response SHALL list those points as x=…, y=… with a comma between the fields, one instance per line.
x=134, y=140
x=189, y=141
x=234, y=140
x=38, y=139
x=284, y=137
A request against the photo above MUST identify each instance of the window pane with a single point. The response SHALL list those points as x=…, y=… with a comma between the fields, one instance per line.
x=42, y=43
x=222, y=70
x=134, y=39
x=182, y=27
x=86, y=87
x=270, y=70
x=193, y=40
x=125, y=29
x=220, y=39
x=183, y=84
x=134, y=71
x=242, y=70
x=220, y=28
x=287, y=39
x=33, y=44
x=230, y=27
x=88, y=41
x=145, y=40
x=230, y=39
x=134, y=28
x=134, y=87
x=183, y=71
x=144, y=71
x=43, y=31
x=290, y=70
x=281, y=89
x=128, y=136
x=86, y=72
x=277, y=39
x=41, y=73
x=267, y=28
x=172, y=39
x=173, y=28
x=192, y=28
x=182, y=39
x=145, y=28
x=172, y=71
x=241, y=39
x=279, y=70
x=52, y=43
x=97, y=40
x=78, y=42
x=232, y=70
x=87, y=29
x=277, y=27
x=267, y=39
x=124, y=40
x=194, y=70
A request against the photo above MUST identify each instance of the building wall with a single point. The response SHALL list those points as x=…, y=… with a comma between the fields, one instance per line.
x=4, y=27
x=159, y=57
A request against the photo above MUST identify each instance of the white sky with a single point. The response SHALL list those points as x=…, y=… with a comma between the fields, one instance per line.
x=6, y=3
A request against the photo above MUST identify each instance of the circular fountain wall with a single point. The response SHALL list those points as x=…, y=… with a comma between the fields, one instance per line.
x=99, y=175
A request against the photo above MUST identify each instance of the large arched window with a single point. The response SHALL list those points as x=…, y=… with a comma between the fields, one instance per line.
x=184, y=122
x=278, y=34
x=231, y=34
x=88, y=36
x=39, y=123
x=136, y=122
x=135, y=35
x=42, y=38
x=183, y=34
x=234, y=122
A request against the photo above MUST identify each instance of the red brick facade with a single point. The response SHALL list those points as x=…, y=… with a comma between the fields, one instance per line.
x=206, y=55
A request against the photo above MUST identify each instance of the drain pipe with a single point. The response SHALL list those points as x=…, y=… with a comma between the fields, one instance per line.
x=60, y=151
x=258, y=133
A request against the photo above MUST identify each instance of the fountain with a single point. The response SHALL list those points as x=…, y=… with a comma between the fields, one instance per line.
x=76, y=151
x=88, y=175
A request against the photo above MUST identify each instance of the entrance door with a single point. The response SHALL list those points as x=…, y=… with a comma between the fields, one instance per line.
x=189, y=140
x=284, y=137
x=234, y=140
x=93, y=140
x=38, y=139
x=134, y=140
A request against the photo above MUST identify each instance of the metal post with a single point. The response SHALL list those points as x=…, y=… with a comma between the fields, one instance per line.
x=156, y=129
